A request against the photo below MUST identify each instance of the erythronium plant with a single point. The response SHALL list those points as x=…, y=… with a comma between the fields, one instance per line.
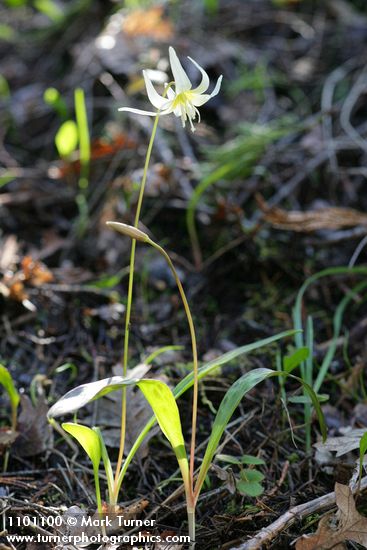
x=180, y=99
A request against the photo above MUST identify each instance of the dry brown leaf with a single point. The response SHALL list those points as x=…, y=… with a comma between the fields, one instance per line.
x=35, y=272
x=35, y=432
x=342, y=444
x=8, y=252
x=335, y=530
x=7, y=437
x=150, y=22
x=313, y=220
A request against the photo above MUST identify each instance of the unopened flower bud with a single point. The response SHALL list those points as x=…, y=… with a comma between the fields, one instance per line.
x=129, y=230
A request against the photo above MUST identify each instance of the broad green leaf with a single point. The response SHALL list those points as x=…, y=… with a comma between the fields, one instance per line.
x=7, y=382
x=87, y=438
x=244, y=459
x=164, y=406
x=252, y=475
x=230, y=402
x=66, y=139
x=362, y=452
x=252, y=489
x=188, y=381
x=90, y=441
x=82, y=395
x=290, y=362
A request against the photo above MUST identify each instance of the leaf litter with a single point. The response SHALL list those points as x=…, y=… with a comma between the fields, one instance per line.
x=334, y=530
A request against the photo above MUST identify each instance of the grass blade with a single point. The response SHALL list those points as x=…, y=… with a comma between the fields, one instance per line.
x=230, y=402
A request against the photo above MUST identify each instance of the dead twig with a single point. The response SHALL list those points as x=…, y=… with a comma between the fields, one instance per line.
x=297, y=513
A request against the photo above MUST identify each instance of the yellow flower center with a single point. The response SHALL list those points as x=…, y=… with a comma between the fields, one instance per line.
x=181, y=99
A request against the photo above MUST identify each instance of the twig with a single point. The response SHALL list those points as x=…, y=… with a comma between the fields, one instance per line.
x=296, y=513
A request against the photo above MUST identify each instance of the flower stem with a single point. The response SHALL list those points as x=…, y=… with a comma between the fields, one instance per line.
x=191, y=521
x=194, y=356
x=129, y=302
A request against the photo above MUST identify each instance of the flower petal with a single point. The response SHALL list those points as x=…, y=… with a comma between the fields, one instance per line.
x=200, y=99
x=204, y=84
x=181, y=79
x=138, y=111
x=156, y=100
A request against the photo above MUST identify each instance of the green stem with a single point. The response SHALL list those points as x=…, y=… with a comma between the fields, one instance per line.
x=129, y=304
x=98, y=498
x=194, y=355
x=191, y=521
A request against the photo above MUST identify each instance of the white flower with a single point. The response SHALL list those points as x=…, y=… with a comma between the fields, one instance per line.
x=181, y=100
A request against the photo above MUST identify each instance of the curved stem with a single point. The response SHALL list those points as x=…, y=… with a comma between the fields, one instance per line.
x=194, y=356
x=129, y=303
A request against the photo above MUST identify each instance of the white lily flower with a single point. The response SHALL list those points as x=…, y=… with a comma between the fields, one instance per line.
x=181, y=100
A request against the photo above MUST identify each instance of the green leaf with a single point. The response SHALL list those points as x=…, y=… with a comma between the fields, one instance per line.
x=230, y=402
x=82, y=395
x=251, y=475
x=82, y=121
x=164, y=406
x=188, y=381
x=7, y=33
x=4, y=88
x=337, y=321
x=50, y=9
x=322, y=398
x=15, y=3
x=290, y=362
x=87, y=438
x=252, y=489
x=362, y=452
x=7, y=382
x=66, y=139
x=244, y=459
x=6, y=177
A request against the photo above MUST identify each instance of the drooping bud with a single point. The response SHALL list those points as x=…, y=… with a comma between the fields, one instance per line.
x=129, y=230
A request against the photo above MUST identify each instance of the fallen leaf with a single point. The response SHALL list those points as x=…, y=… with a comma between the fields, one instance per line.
x=100, y=148
x=150, y=22
x=7, y=438
x=8, y=252
x=313, y=220
x=343, y=444
x=35, y=432
x=34, y=272
x=335, y=530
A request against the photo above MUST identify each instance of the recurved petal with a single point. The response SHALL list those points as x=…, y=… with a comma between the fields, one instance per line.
x=204, y=84
x=200, y=99
x=138, y=111
x=181, y=79
x=156, y=100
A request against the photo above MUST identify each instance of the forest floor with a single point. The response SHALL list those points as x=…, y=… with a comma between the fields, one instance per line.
x=280, y=155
